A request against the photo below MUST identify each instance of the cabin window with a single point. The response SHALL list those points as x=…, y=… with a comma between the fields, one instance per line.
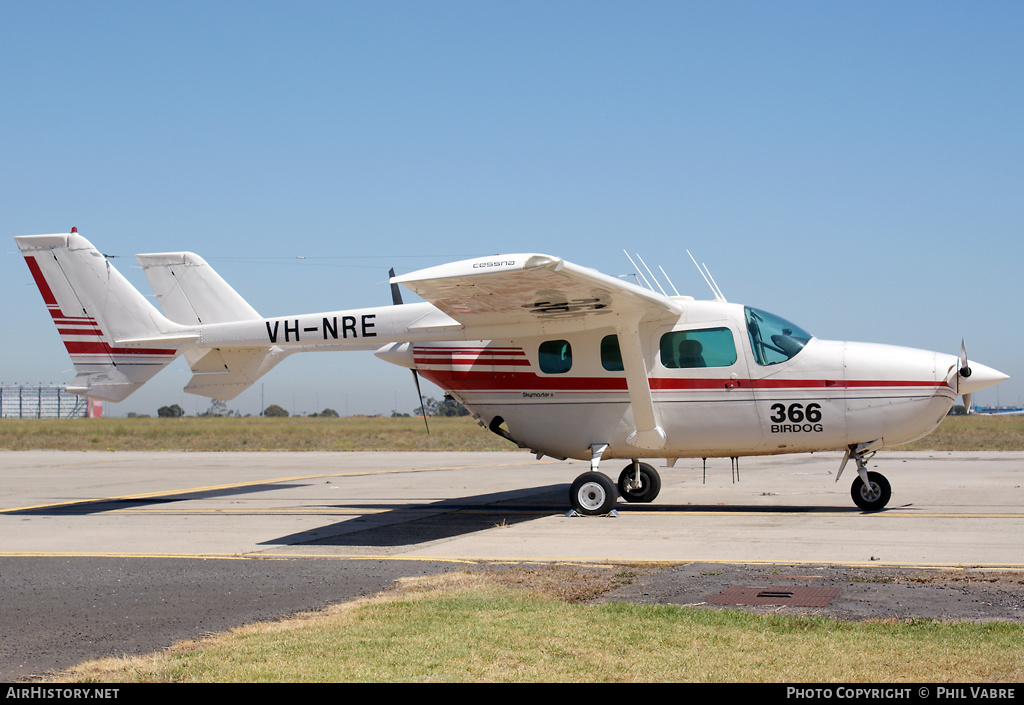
x=555, y=357
x=705, y=347
x=773, y=339
x=611, y=355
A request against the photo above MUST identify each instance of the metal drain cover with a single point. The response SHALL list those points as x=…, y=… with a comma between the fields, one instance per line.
x=796, y=596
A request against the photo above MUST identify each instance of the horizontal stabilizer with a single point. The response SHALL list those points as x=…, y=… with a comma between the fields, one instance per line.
x=224, y=373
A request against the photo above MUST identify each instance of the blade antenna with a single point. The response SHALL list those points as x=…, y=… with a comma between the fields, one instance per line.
x=669, y=280
x=719, y=296
x=396, y=299
x=653, y=278
x=646, y=283
x=706, y=280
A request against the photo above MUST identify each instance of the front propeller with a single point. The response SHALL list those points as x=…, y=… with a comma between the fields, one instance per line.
x=963, y=372
x=966, y=378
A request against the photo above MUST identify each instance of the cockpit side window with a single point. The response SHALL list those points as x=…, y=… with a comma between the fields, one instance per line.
x=773, y=339
x=705, y=347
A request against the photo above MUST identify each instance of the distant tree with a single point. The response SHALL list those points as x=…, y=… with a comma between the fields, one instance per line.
x=450, y=407
x=275, y=410
x=429, y=407
x=447, y=407
x=170, y=412
x=330, y=413
x=218, y=407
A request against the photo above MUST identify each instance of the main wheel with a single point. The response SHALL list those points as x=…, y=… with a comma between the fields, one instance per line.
x=874, y=497
x=592, y=494
x=650, y=483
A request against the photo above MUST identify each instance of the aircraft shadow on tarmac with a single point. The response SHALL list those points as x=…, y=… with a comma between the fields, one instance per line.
x=412, y=524
x=415, y=523
x=98, y=506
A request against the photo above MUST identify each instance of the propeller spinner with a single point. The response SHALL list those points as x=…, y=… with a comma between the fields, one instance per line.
x=968, y=379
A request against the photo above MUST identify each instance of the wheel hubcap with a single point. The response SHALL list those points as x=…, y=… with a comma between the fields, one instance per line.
x=591, y=495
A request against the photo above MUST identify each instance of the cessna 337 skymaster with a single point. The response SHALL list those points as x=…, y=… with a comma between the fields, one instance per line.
x=555, y=357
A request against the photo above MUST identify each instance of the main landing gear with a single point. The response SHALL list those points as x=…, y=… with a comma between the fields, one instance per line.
x=870, y=490
x=594, y=494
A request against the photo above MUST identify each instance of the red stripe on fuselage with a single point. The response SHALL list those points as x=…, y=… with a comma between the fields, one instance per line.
x=515, y=381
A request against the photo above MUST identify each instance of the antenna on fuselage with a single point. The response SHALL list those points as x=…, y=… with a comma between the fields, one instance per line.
x=654, y=278
x=639, y=273
x=706, y=273
x=669, y=280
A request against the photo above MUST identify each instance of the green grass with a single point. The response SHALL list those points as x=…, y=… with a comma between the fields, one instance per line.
x=472, y=627
x=373, y=433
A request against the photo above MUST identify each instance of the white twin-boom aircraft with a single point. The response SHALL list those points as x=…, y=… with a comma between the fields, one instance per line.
x=555, y=357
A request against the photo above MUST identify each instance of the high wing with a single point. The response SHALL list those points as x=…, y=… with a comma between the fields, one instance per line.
x=534, y=291
x=534, y=294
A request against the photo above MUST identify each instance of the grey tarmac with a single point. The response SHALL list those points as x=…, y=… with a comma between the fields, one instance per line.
x=107, y=553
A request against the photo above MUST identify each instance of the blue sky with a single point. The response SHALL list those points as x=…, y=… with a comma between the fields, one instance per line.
x=856, y=167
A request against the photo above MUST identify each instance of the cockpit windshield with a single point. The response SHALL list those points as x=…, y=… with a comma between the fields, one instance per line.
x=773, y=339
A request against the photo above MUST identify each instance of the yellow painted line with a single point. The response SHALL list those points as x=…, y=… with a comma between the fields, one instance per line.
x=1008, y=567
x=887, y=514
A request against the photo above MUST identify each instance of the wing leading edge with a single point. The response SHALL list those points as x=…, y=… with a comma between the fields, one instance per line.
x=533, y=289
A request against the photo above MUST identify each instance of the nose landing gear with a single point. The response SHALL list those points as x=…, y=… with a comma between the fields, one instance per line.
x=870, y=491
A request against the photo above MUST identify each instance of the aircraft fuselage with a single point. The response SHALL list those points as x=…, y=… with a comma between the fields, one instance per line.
x=826, y=397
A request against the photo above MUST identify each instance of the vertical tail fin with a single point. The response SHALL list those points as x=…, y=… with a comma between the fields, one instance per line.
x=117, y=340
x=190, y=292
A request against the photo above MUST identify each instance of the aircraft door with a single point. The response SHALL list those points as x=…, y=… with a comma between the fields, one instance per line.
x=703, y=391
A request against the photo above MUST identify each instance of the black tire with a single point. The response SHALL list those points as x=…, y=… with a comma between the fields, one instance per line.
x=875, y=498
x=592, y=494
x=650, y=484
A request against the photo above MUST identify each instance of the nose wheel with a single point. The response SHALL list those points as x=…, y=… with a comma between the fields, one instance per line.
x=874, y=495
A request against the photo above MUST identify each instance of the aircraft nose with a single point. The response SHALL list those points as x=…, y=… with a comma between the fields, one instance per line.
x=981, y=376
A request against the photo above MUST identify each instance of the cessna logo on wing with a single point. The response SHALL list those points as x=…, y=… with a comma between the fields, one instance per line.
x=566, y=309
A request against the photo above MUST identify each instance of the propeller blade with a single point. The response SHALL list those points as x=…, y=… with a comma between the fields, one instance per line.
x=964, y=370
x=963, y=373
x=396, y=299
x=396, y=293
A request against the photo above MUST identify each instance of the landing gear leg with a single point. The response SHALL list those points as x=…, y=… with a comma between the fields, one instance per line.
x=593, y=493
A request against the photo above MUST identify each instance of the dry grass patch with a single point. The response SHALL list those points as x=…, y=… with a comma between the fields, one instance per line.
x=249, y=434
x=955, y=433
